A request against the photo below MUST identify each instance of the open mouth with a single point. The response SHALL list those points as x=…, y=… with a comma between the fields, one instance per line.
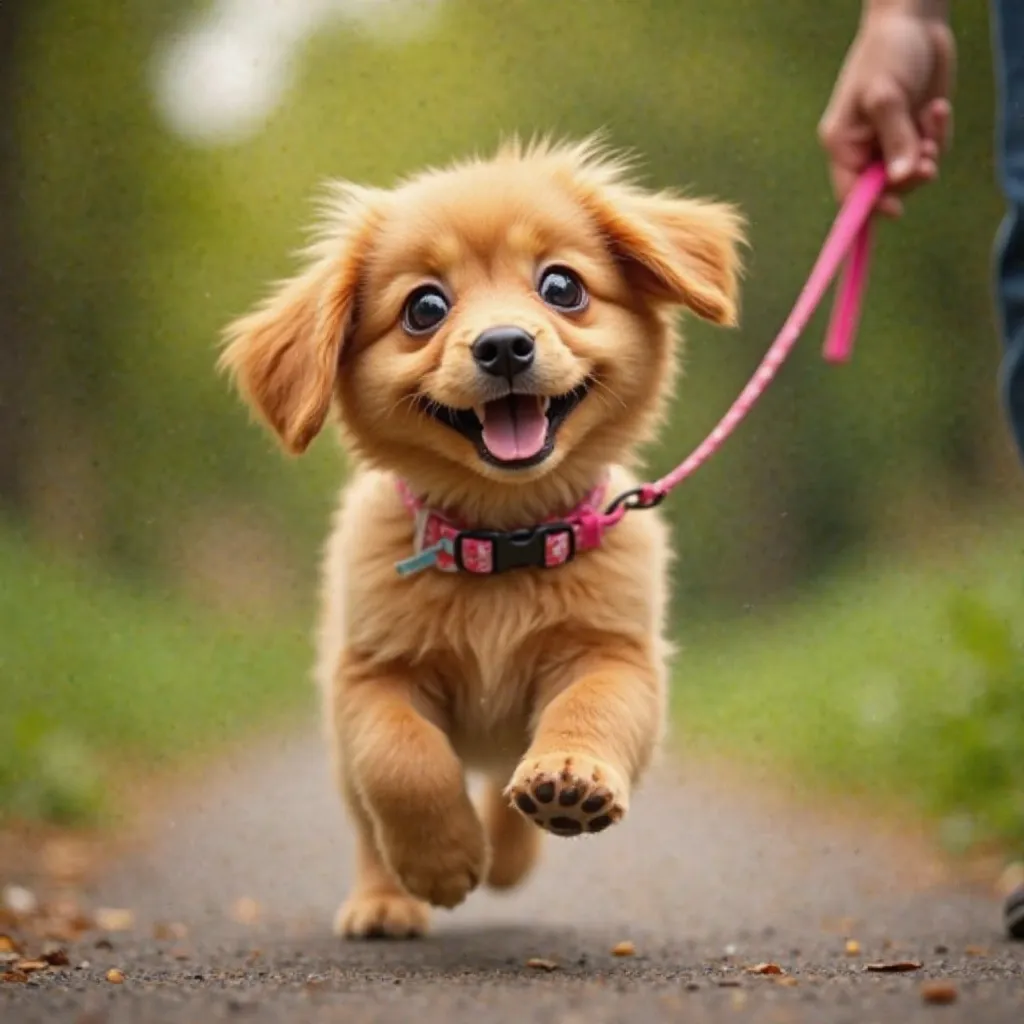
x=514, y=432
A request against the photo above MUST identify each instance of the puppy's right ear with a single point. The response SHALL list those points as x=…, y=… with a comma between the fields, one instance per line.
x=283, y=356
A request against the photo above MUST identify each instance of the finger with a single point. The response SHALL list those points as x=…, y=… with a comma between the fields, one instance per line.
x=943, y=82
x=849, y=142
x=843, y=179
x=898, y=137
x=944, y=69
x=936, y=123
x=890, y=206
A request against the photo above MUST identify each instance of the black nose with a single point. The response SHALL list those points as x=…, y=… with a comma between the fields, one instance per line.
x=504, y=351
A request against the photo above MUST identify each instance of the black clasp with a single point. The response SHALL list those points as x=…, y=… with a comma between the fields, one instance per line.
x=639, y=497
x=516, y=549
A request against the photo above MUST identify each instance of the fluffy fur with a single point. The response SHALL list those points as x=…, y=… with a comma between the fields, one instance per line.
x=551, y=683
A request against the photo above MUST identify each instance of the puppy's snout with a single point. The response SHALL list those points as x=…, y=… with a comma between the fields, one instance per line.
x=504, y=351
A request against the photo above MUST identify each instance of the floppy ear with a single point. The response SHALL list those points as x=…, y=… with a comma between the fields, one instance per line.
x=283, y=356
x=678, y=250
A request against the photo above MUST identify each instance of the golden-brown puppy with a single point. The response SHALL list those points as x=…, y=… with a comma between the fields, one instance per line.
x=499, y=336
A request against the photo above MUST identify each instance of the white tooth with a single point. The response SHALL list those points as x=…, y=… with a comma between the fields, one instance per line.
x=478, y=412
x=545, y=404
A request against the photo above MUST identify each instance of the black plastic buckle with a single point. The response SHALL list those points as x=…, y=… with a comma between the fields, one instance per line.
x=636, y=498
x=516, y=549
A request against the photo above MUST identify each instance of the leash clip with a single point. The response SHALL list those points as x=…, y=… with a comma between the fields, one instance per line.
x=637, y=498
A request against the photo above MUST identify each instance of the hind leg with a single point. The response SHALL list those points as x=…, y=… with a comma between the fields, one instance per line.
x=515, y=842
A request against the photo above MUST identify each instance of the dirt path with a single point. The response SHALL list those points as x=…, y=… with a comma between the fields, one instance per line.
x=703, y=879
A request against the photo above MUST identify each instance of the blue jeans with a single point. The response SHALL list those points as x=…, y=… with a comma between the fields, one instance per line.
x=1008, y=45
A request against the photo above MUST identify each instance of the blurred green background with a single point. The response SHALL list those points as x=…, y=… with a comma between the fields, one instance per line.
x=849, y=564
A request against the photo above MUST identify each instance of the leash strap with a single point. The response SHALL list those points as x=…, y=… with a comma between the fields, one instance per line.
x=847, y=246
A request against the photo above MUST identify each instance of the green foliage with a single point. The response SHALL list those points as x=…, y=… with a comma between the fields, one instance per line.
x=979, y=784
x=97, y=677
x=46, y=773
x=905, y=686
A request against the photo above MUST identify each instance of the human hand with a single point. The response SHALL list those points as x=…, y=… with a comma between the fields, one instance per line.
x=892, y=99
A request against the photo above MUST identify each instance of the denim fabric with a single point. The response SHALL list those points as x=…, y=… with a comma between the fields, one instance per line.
x=1008, y=46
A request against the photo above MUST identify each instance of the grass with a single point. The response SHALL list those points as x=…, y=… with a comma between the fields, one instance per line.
x=98, y=677
x=900, y=679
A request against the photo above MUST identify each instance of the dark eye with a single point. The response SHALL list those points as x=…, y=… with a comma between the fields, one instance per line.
x=424, y=309
x=561, y=288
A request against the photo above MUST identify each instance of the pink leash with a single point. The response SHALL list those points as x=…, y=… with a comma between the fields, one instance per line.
x=848, y=246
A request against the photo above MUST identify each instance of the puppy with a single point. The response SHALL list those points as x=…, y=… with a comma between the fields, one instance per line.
x=496, y=339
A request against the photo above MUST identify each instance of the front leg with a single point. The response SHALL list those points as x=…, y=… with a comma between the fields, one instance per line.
x=402, y=769
x=596, y=732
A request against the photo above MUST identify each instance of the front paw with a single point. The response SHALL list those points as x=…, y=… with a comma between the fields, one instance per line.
x=568, y=794
x=381, y=915
x=440, y=864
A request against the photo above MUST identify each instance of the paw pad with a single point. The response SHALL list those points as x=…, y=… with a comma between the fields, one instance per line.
x=571, y=801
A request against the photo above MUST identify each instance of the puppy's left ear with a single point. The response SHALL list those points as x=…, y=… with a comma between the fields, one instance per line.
x=677, y=250
x=283, y=356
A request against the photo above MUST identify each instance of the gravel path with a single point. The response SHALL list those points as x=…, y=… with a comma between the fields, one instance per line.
x=704, y=879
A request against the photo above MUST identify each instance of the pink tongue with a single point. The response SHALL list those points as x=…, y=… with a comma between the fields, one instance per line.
x=515, y=427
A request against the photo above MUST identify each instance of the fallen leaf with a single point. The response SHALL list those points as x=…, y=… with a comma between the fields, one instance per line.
x=539, y=964
x=12, y=977
x=112, y=919
x=28, y=966
x=625, y=948
x=115, y=977
x=852, y=947
x=8, y=945
x=893, y=966
x=939, y=993
x=82, y=922
x=19, y=900
x=766, y=968
x=246, y=911
x=56, y=957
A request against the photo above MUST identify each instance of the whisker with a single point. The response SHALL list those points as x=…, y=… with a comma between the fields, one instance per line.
x=409, y=400
x=606, y=390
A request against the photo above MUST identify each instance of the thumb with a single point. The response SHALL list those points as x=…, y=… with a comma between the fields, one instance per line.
x=898, y=138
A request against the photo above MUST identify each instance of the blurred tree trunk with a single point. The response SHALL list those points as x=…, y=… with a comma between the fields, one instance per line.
x=15, y=343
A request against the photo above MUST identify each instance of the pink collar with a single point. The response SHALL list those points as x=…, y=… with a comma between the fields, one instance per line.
x=450, y=547
x=846, y=249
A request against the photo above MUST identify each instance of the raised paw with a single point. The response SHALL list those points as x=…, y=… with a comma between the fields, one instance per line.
x=381, y=915
x=568, y=794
